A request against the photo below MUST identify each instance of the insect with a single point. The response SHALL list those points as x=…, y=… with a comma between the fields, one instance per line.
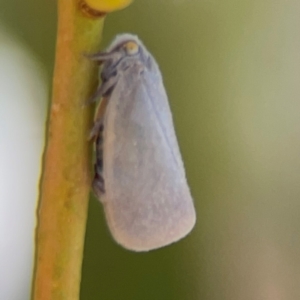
x=139, y=173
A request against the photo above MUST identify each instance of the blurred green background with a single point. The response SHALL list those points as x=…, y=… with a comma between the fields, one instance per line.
x=232, y=72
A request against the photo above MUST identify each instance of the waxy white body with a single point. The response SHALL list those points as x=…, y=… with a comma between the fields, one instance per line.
x=139, y=173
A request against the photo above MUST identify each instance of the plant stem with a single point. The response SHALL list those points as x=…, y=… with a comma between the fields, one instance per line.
x=66, y=178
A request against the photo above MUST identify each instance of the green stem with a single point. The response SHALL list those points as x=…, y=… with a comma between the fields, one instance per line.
x=66, y=178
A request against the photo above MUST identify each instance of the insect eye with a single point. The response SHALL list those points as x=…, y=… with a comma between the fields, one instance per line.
x=131, y=48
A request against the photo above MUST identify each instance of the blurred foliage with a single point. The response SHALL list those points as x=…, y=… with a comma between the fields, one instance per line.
x=231, y=69
x=34, y=23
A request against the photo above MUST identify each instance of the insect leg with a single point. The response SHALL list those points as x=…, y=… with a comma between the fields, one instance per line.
x=98, y=182
x=103, y=89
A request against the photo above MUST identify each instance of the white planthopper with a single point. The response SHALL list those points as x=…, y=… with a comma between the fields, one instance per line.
x=139, y=173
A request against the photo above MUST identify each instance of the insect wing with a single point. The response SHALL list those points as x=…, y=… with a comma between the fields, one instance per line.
x=147, y=200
